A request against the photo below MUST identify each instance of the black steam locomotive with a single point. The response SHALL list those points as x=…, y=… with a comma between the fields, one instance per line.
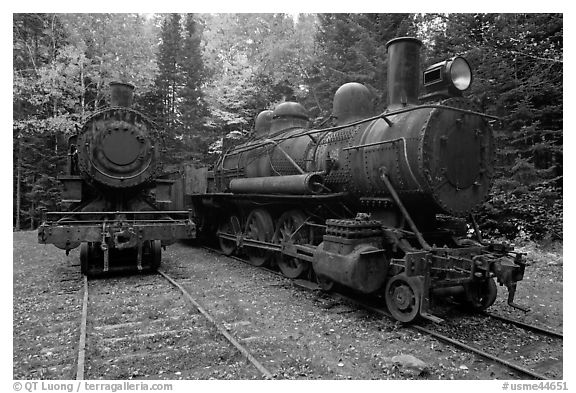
x=116, y=193
x=374, y=203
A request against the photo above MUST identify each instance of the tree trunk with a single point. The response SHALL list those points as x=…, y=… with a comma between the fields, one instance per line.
x=18, y=181
x=32, y=216
x=83, y=91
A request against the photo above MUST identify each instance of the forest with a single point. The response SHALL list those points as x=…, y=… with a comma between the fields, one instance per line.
x=205, y=77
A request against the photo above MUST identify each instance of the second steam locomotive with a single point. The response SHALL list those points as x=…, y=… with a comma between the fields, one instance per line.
x=378, y=204
x=116, y=193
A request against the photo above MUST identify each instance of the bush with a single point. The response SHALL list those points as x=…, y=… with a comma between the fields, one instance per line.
x=524, y=213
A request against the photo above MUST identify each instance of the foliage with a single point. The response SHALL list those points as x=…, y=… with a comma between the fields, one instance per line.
x=255, y=61
x=62, y=63
x=204, y=78
x=533, y=212
x=352, y=48
x=517, y=60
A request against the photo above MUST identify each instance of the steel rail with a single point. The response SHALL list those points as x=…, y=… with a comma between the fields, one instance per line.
x=416, y=327
x=220, y=329
x=80, y=366
x=456, y=343
x=82, y=341
x=524, y=325
x=477, y=351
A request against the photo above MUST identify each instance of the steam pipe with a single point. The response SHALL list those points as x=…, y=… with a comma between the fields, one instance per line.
x=307, y=183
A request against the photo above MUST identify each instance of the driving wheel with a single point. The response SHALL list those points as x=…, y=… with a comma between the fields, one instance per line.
x=231, y=226
x=259, y=226
x=291, y=229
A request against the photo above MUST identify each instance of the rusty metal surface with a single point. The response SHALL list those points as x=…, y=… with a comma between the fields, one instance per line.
x=121, y=94
x=309, y=183
x=352, y=255
x=109, y=232
x=403, y=71
x=362, y=269
x=288, y=115
x=352, y=102
x=263, y=123
x=457, y=158
x=117, y=147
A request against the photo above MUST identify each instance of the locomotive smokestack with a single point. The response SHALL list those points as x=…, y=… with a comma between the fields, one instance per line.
x=121, y=94
x=403, y=71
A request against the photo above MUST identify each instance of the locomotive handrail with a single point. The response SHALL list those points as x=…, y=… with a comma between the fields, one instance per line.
x=119, y=212
x=383, y=115
x=84, y=223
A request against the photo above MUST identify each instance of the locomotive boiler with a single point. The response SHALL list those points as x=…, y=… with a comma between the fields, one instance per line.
x=380, y=203
x=116, y=193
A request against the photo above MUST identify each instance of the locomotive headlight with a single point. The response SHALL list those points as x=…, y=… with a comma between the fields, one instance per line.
x=460, y=73
x=448, y=78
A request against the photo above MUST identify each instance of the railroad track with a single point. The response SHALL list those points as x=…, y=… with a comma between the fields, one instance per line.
x=53, y=318
x=430, y=329
x=538, y=329
x=125, y=333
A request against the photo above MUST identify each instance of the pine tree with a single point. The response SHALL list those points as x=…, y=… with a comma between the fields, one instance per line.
x=193, y=107
x=169, y=78
x=352, y=48
x=517, y=63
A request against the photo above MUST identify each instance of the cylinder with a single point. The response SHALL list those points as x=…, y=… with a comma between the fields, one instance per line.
x=308, y=183
x=403, y=71
x=364, y=269
x=121, y=94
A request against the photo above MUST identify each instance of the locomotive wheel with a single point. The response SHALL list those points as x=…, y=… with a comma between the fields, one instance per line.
x=91, y=259
x=403, y=297
x=259, y=226
x=287, y=226
x=156, y=254
x=325, y=283
x=480, y=295
x=230, y=226
x=84, y=255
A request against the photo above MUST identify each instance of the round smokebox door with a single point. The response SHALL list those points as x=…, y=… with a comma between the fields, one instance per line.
x=121, y=146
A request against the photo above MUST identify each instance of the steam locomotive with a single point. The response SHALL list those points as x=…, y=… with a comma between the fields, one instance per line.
x=116, y=193
x=374, y=203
